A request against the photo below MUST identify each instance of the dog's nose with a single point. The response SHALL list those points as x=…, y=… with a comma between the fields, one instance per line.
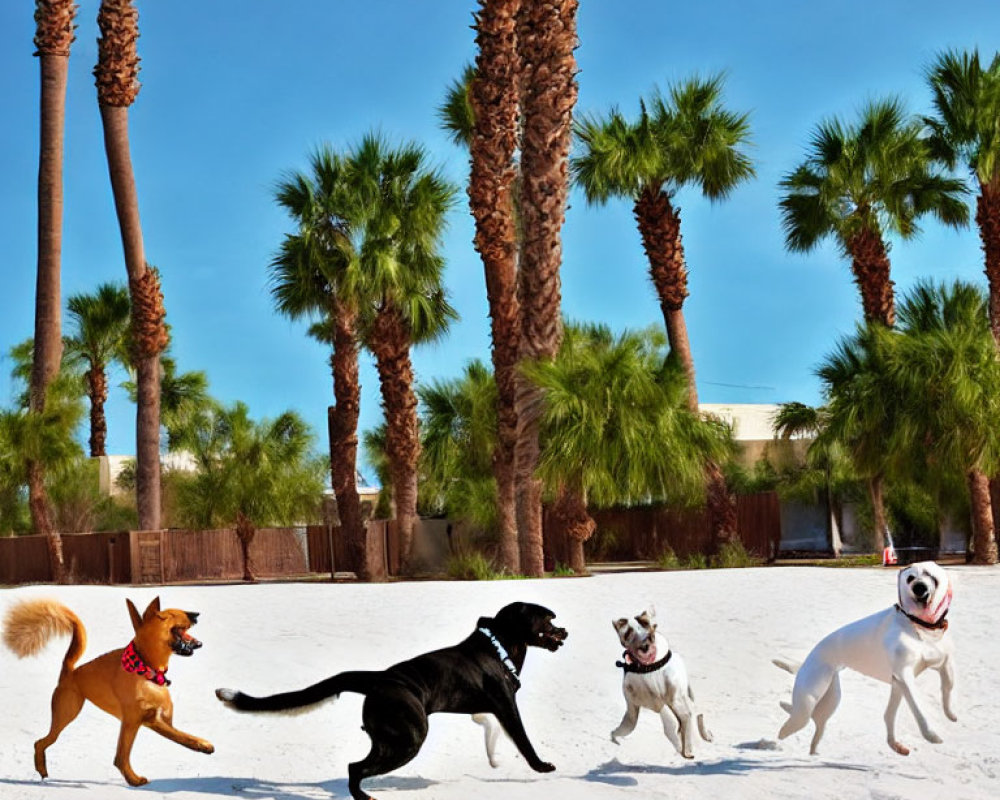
x=193, y=616
x=920, y=590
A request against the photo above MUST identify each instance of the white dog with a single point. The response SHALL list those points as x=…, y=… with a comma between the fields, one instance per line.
x=893, y=646
x=655, y=678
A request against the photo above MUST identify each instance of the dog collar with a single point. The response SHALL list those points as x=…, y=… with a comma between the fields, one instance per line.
x=630, y=665
x=132, y=662
x=940, y=625
x=502, y=654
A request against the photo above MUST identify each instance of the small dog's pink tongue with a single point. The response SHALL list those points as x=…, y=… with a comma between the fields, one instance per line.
x=648, y=657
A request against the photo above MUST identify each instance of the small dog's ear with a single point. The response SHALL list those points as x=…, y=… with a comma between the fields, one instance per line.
x=152, y=608
x=645, y=620
x=619, y=623
x=133, y=614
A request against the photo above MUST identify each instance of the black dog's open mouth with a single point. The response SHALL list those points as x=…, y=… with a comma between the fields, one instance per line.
x=184, y=644
x=552, y=638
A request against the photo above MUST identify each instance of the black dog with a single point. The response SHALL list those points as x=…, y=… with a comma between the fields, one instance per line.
x=476, y=676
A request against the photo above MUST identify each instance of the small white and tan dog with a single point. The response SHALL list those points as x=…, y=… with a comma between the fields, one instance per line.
x=655, y=678
x=893, y=646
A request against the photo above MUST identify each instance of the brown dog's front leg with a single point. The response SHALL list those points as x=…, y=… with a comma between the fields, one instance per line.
x=126, y=738
x=162, y=726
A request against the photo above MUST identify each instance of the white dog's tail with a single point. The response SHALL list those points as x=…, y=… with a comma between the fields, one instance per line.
x=706, y=734
x=787, y=666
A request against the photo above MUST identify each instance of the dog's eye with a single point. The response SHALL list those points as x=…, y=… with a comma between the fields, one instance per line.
x=911, y=578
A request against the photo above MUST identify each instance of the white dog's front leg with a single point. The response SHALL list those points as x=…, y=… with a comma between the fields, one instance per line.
x=947, y=685
x=670, y=729
x=627, y=725
x=680, y=708
x=895, y=696
x=905, y=680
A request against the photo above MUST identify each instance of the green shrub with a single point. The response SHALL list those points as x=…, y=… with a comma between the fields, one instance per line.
x=695, y=561
x=733, y=555
x=472, y=566
x=563, y=570
x=668, y=560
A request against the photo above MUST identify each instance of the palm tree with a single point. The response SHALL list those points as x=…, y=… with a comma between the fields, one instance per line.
x=54, y=21
x=687, y=138
x=616, y=428
x=99, y=326
x=311, y=276
x=493, y=187
x=546, y=39
x=967, y=101
x=401, y=302
x=117, y=81
x=250, y=473
x=863, y=410
x=860, y=183
x=946, y=367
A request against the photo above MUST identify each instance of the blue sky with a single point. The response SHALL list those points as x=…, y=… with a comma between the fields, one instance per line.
x=235, y=92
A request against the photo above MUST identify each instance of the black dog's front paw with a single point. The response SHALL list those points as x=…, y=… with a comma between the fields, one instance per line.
x=543, y=766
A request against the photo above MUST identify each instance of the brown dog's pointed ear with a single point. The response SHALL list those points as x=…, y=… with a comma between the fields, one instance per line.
x=133, y=614
x=152, y=608
x=619, y=623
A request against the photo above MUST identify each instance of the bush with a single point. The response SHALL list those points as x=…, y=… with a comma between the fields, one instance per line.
x=471, y=567
x=668, y=560
x=696, y=561
x=733, y=555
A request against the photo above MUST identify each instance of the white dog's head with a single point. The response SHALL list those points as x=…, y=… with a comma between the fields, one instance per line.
x=924, y=591
x=638, y=635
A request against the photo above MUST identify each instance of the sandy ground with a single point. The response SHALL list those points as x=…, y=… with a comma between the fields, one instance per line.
x=728, y=624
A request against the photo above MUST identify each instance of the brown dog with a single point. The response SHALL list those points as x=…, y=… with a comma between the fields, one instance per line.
x=129, y=683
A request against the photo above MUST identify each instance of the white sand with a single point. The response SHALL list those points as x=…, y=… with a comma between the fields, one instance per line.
x=728, y=624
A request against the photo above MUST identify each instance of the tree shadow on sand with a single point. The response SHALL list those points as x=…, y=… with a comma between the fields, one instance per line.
x=228, y=787
x=615, y=773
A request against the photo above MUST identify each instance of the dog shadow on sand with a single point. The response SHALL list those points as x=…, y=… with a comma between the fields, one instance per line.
x=228, y=787
x=615, y=773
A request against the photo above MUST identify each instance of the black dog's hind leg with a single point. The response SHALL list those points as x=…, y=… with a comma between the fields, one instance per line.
x=510, y=718
x=397, y=726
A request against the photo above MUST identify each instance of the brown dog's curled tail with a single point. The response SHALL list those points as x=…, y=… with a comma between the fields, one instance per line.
x=30, y=624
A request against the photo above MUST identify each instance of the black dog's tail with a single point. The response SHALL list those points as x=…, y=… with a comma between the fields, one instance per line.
x=330, y=688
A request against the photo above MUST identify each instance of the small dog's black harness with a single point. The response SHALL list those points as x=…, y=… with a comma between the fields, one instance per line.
x=502, y=654
x=940, y=625
x=630, y=665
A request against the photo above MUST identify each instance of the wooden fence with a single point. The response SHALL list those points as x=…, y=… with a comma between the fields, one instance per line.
x=156, y=557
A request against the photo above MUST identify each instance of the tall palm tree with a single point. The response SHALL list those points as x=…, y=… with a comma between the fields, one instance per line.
x=966, y=97
x=946, y=367
x=117, y=81
x=99, y=326
x=404, y=206
x=54, y=21
x=493, y=184
x=861, y=182
x=686, y=138
x=616, y=428
x=311, y=276
x=546, y=39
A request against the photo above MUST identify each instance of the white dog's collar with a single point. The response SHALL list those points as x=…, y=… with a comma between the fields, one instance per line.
x=502, y=654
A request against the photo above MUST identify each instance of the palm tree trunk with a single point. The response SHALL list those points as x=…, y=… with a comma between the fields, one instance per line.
x=53, y=37
x=984, y=544
x=246, y=532
x=878, y=511
x=569, y=513
x=343, y=428
x=117, y=86
x=871, y=269
x=546, y=36
x=988, y=222
x=390, y=342
x=660, y=228
x=97, y=391
x=492, y=181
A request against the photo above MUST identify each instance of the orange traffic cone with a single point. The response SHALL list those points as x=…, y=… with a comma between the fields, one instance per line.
x=888, y=556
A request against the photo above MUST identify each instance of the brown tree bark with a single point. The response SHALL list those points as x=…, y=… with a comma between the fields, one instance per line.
x=546, y=36
x=390, y=342
x=660, y=228
x=97, y=391
x=569, y=512
x=343, y=429
x=871, y=269
x=878, y=510
x=984, y=544
x=246, y=532
x=53, y=37
x=492, y=183
x=117, y=82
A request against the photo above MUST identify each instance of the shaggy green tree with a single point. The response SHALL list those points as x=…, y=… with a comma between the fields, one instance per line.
x=249, y=473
